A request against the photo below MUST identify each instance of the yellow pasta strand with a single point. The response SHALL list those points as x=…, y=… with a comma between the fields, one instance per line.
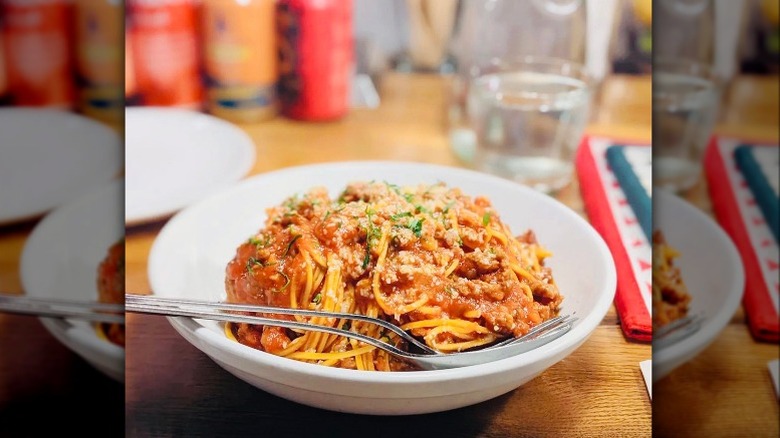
x=306, y=355
x=451, y=268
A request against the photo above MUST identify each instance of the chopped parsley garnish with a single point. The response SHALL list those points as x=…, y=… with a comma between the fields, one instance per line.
x=317, y=298
x=486, y=219
x=409, y=197
x=395, y=217
x=286, y=279
x=335, y=210
x=346, y=325
x=366, y=258
x=258, y=242
x=252, y=262
x=420, y=209
x=416, y=226
x=292, y=202
x=289, y=245
x=393, y=187
x=372, y=233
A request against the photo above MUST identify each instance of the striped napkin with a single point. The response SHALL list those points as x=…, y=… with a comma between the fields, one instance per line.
x=616, y=183
x=743, y=182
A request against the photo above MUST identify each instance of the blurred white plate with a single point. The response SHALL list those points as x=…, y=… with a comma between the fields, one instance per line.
x=183, y=266
x=60, y=260
x=49, y=157
x=175, y=157
x=711, y=269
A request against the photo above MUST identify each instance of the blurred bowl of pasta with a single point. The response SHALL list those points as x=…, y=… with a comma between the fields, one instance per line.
x=710, y=269
x=62, y=260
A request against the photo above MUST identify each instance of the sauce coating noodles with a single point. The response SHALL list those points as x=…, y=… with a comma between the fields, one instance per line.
x=430, y=259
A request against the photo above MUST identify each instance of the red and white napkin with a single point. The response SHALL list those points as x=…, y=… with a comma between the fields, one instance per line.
x=738, y=213
x=612, y=216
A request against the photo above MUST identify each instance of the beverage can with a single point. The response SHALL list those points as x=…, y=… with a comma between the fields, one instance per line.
x=99, y=25
x=37, y=39
x=130, y=88
x=165, y=52
x=3, y=80
x=316, y=59
x=239, y=38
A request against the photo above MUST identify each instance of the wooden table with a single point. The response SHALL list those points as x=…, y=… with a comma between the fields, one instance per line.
x=175, y=389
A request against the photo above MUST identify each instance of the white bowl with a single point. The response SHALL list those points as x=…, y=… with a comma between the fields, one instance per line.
x=175, y=157
x=60, y=260
x=189, y=257
x=711, y=269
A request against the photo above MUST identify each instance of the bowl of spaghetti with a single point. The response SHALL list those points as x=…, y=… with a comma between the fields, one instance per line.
x=696, y=271
x=457, y=258
x=76, y=253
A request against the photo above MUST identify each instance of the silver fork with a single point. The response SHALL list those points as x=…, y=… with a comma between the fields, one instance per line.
x=676, y=331
x=57, y=308
x=428, y=359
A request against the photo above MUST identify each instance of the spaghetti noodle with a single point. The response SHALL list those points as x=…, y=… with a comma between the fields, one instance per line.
x=430, y=259
x=670, y=296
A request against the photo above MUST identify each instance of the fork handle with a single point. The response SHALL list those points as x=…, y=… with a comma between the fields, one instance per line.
x=230, y=317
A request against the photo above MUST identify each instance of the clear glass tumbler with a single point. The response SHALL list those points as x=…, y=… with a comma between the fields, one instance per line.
x=528, y=116
x=498, y=30
x=685, y=107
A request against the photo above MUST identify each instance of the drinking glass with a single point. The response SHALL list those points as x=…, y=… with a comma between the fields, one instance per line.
x=488, y=32
x=685, y=108
x=528, y=117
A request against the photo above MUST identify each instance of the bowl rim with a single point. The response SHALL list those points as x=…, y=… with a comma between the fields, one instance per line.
x=705, y=336
x=575, y=337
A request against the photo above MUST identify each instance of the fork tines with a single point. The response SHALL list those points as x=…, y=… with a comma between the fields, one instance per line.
x=675, y=331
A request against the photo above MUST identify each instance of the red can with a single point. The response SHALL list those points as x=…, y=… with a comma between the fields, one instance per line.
x=316, y=59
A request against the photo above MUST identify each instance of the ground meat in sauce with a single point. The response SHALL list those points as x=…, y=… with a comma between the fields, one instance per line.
x=443, y=247
x=111, y=288
x=670, y=295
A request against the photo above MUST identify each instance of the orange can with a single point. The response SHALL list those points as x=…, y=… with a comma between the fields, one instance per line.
x=165, y=52
x=99, y=25
x=239, y=38
x=37, y=38
x=130, y=88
